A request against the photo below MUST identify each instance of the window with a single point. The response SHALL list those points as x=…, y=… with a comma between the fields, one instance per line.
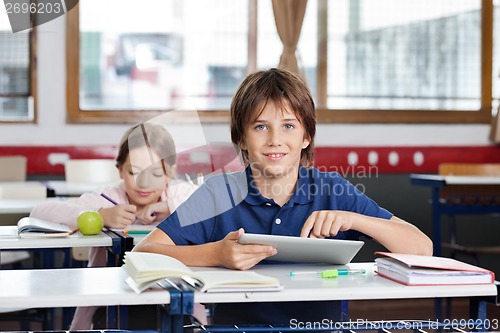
x=17, y=86
x=496, y=55
x=364, y=60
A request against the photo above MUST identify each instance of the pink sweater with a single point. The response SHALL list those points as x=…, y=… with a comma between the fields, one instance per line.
x=67, y=211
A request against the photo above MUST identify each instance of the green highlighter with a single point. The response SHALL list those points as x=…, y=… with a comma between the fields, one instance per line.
x=331, y=273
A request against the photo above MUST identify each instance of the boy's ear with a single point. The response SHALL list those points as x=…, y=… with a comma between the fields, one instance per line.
x=306, y=143
x=243, y=145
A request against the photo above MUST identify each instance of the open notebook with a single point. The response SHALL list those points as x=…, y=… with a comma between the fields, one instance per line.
x=30, y=227
x=146, y=269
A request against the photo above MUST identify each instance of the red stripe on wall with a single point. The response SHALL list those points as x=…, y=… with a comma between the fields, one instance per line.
x=346, y=160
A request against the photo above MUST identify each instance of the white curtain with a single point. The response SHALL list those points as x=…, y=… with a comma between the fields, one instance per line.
x=289, y=15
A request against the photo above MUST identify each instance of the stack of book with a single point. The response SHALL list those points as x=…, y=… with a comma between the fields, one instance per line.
x=411, y=269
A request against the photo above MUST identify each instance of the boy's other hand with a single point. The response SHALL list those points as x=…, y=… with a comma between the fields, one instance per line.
x=239, y=256
x=326, y=223
x=119, y=216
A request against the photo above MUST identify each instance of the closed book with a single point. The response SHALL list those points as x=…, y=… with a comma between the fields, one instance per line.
x=416, y=270
x=146, y=269
x=30, y=227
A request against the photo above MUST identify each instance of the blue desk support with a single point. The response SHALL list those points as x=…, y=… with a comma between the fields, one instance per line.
x=438, y=208
x=115, y=252
x=477, y=311
x=113, y=259
x=436, y=183
x=181, y=304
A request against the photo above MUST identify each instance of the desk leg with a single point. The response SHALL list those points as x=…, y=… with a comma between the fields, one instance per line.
x=436, y=239
x=436, y=222
x=123, y=317
x=111, y=314
x=172, y=319
x=478, y=311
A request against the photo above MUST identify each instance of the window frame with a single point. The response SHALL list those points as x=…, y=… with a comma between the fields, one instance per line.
x=324, y=115
x=32, y=95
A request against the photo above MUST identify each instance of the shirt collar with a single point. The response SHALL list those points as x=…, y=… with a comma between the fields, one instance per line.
x=302, y=194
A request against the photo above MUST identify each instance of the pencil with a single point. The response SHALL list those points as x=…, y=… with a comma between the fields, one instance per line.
x=109, y=199
x=116, y=203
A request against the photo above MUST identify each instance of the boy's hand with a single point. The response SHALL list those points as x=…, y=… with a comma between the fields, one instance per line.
x=238, y=256
x=326, y=223
x=152, y=213
x=119, y=216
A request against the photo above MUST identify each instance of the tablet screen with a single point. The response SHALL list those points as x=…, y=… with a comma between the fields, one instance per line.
x=298, y=249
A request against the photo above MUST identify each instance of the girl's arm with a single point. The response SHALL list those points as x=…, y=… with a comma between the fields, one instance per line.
x=394, y=234
x=67, y=211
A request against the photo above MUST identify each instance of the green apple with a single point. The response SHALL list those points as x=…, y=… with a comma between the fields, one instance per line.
x=90, y=222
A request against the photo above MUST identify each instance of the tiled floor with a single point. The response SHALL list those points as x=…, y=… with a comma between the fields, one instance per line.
x=422, y=309
x=418, y=309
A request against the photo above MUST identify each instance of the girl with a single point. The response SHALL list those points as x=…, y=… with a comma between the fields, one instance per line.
x=148, y=194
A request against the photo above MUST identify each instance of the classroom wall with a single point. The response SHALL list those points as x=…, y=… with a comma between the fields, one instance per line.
x=53, y=130
x=390, y=186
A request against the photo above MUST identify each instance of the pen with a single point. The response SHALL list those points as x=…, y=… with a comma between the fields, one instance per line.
x=137, y=232
x=109, y=199
x=116, y=203
x=331, y=273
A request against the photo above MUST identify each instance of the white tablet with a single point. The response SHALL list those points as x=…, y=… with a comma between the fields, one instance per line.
x=298, y=249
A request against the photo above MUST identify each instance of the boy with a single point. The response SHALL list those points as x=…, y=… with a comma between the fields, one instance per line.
x=273, y=123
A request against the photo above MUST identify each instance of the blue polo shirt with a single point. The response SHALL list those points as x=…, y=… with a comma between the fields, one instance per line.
x=227, y=202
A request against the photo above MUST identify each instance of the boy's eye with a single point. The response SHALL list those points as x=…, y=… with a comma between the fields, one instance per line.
x=288, y=126
x=260, y=127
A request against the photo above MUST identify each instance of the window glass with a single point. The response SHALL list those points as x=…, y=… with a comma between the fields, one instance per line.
x=496, y=53
x=15, y=101
x=269, y=45
x=404, y=54
x=176, y=56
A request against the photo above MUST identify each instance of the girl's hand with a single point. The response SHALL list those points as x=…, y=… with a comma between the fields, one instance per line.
x=238, y=256
x=119, y=216
x=326, y=223
x=153, y=213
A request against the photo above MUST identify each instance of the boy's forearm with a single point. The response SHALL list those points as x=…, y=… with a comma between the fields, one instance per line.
x=395, y=234
x=191, y=255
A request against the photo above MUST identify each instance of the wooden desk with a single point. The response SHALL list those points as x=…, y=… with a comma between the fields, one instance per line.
x=64, y=188
x=20, y=206
x=72, y=288
x=75, y=240
x=106, y=287
x=356, y=287
x=437, y=184
x=108, y=239
x=75, y=287
x=61, y=187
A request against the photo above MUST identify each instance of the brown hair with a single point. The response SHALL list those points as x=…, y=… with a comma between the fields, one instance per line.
x=279, y=86
x=153, y=136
